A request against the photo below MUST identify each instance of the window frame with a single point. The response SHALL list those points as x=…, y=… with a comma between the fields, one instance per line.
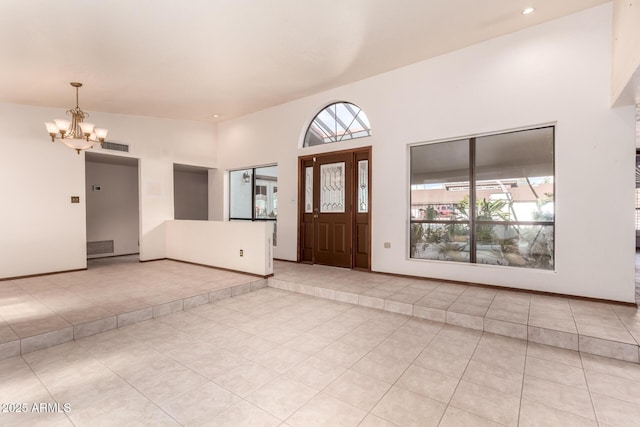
x=325, y=128
x=473, y=222
x=253, y=194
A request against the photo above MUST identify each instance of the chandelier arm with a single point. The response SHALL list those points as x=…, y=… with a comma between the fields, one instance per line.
x=74, y=135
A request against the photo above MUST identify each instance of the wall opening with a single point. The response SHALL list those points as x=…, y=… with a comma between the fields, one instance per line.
x=111, y=191
x=190, y=192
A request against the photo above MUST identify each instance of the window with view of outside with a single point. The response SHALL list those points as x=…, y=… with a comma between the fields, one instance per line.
x=337, y=122
x=487, y=200
x=253, y=194
x=266, y=193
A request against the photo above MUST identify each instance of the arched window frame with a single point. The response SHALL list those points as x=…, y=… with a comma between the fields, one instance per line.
x=337, y=122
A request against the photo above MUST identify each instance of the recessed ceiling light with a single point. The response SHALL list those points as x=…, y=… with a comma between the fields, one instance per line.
x=528, y=11
x=215, y=116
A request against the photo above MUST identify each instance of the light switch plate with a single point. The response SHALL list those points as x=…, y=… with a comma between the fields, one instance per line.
x=75, y=199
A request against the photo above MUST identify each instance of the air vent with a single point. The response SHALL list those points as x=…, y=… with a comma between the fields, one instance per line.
x=115, y=146
x=100, y=247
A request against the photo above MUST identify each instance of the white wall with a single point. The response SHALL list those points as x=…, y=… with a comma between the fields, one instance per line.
x=557, y=72
x=218, y=244
x=625, y=82
x=159, y=143
x=112, y=212
x=41, y=230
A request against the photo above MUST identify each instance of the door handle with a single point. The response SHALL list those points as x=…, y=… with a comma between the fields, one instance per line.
x=315, y=213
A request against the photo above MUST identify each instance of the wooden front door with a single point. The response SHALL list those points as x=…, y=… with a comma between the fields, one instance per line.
x=334, y=209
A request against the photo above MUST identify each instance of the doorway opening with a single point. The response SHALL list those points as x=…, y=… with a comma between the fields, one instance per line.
x=334, y=213
x=112, y=202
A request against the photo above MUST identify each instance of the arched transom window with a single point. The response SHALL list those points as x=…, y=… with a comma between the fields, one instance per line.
x=337, y=122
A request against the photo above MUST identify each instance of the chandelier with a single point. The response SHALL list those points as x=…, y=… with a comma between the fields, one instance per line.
x=77, y=133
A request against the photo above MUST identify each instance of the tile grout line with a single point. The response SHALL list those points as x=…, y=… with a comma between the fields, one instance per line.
x=563, y=384
x=460, y=381
x=283, y=375
x=153, y=348
x=132, y=385
x=45, y=387
x=586, y=381
x=624, y=324
x=73, y=338
x=394, y=384
x=354, y=363
x=524, y=374
x=575, y=324
x=527, y=325
x=446, y=311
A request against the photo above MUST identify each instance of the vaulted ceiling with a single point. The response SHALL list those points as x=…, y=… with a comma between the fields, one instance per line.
x=193, y=59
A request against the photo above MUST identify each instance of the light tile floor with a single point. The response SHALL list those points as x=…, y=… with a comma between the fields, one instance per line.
x=41, y=311
x=602, y=328
x=278, y=358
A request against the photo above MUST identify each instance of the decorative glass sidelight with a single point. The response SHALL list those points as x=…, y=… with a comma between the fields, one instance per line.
x=308, y=190
x=363, y=186
x=332, y=187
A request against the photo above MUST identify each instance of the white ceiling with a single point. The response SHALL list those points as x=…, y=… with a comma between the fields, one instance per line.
x=191, y=59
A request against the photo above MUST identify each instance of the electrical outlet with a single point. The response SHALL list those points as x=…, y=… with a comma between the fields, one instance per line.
x=387, y=245
x=241, y=252
x=75, y=199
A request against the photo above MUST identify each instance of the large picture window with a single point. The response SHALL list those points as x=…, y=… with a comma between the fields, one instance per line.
x=253, y=194
x=486, y=200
